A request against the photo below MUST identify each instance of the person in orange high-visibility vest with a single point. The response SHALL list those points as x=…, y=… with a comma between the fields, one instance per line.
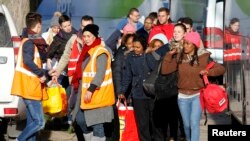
x=29, y=79
x=69, y=58
x=93, y=79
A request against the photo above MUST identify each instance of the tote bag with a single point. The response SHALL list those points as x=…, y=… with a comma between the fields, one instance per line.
x=128, y=127
x=56, y=105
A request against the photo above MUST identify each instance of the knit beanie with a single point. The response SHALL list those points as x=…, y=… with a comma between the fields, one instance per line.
x=194, y=38
x=92, y=28
x=55, y=19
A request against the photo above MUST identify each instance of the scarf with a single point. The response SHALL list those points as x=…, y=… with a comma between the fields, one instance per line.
x=40, y=43
x=178, y=45
x=65, y=35
x=77, y=76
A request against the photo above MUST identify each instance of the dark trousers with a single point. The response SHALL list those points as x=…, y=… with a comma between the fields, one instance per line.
x=112, y=130
x=168, y=120
x=78, y=132
x=144, y=117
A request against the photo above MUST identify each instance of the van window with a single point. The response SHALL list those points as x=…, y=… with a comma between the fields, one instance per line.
x=5, y=38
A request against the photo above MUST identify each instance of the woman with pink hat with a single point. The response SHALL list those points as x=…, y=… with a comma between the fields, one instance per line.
x=190, y=64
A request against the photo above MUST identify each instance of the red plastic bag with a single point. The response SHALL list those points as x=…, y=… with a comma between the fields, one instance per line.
x=128, y=127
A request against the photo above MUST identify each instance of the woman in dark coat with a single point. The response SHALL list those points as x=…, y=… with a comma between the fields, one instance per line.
x=138, y=64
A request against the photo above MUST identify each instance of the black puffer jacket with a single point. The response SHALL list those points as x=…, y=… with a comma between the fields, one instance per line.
x=57, y=47
x=118, y=68
x=137, y=67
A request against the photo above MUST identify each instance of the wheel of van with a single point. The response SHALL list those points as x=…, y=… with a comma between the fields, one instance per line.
x=11, y=139
x=15, y=128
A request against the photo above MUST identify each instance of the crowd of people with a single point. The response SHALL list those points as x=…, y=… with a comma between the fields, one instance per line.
x=96, y=72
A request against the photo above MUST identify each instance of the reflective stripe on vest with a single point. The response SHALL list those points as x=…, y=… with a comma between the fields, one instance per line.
x=23, y=70
x=104, y=83
x=232, y=54
x=92, y=74
x=75, y=53
x=106, y=88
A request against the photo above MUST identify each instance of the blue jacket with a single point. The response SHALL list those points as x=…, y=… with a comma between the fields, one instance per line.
x=28, y=56
x=162, y=50
x=137, y=67
x=111, y=42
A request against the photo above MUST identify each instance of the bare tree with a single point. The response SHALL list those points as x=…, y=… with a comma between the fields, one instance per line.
x=18, y=9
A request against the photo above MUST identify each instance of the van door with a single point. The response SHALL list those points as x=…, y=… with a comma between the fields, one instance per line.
x=6, y=73
x=6, y=61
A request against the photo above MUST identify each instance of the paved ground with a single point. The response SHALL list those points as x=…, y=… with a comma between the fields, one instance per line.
x=215, y=119
x=57, y=136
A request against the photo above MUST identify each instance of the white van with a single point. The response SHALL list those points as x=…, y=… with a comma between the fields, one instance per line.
x=12, y=108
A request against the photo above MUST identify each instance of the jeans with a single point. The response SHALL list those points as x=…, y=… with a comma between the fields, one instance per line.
x=35, y=120
x=190, y=109
x=98, y=129
x=80, y=120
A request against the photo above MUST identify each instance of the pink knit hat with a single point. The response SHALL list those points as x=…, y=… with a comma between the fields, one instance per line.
x=194, y=38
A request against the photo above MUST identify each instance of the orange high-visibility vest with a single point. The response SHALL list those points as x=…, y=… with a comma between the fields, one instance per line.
x=104, y=95
x=74, y=56
x=25, y=83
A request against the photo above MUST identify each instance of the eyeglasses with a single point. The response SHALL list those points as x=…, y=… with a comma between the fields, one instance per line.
x=148, y=23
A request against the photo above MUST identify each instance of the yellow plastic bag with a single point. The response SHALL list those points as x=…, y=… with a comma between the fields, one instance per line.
x=56, y=105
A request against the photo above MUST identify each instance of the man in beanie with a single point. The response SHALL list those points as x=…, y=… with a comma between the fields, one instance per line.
x=190, y=65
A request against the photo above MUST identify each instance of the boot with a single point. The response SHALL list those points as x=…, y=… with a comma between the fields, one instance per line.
x=88, y=136
x=95, y=138
x=102, y=139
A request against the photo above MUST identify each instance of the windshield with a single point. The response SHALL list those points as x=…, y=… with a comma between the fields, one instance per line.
x=5, y=38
